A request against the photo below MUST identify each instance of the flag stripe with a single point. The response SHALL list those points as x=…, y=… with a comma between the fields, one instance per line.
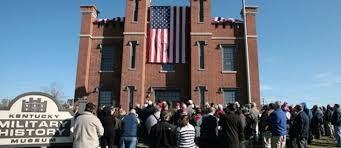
x=171, y=38
x=165, y=45
x=167, y=34
x=166, y=50
x=158, y=47
x=161, y=45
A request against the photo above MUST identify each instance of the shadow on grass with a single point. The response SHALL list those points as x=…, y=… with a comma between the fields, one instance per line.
x=323, y=142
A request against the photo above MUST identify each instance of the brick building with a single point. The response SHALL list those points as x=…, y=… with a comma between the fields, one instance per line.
x=113, y=59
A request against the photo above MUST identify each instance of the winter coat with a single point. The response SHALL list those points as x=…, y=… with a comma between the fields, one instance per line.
x=278, y=122
x=209, y=129
x=232, y=132
x=129, y=125
x=152, y=120
x=108, y=122
x=162, y=135
x=307, y=111
x=336, y=118
x=317, y=119
x=300, y=126
x=87, y=130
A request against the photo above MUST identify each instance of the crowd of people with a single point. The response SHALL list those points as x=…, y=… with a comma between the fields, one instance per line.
x=185, y=125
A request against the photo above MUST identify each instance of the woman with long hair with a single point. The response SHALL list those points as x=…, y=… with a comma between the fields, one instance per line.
x=185, y=133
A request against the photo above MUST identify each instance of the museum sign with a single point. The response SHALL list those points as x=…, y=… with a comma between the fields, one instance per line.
x=35, y=119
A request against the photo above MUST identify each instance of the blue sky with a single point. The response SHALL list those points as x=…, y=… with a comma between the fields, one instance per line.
x=299, y=45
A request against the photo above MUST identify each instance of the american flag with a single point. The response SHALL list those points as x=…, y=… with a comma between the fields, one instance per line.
x=167, y=34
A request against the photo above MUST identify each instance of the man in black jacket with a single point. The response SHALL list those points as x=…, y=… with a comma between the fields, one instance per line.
x=163, y=134
x=209, y=130
x=327, y=119
x=108, y=121
x=300, y=128
x=232, y=132
x=316, y=122
x=336, y=121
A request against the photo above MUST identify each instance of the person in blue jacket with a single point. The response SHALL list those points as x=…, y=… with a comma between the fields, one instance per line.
x=129, y=130
x=278, y=124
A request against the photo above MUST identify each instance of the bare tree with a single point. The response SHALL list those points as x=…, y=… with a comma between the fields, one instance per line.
x=55, y=90
x=4, y=102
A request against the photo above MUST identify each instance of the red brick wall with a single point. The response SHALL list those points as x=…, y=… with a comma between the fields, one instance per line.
x=134, y=77
x=186, y=76
x=253, y=53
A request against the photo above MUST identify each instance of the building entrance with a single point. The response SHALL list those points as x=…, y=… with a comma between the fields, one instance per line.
x=171, y=95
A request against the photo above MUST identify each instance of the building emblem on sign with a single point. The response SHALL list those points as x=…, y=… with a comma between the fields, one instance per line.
x=34, y=105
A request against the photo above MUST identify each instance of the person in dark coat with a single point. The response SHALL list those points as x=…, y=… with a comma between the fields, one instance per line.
x=336, y=121
x=327, y=119
x=300, y=128
x=316, y=122
x=232, y=132
x=310, y=116
x=108, y=122
x=163, y=134
x=209, y=130
x=264, y=128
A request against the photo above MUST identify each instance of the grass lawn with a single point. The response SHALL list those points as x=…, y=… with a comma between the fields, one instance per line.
x=323, y=142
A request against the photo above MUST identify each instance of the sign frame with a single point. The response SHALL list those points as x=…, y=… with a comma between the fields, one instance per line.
x=66, y=112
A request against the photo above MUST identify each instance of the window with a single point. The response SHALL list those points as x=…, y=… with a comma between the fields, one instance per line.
x=131, y=90
x=201, y=10
x=136, y=8
x=229, y=58
x=108, y=58
x=229, y=96
x=202, y=90
x=105, y=98
x=133, y=45
x=167, y=68
x=172, y=95
x=201, y=45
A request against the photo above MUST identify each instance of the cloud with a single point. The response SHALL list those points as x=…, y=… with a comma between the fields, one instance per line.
x=327, y=79
x=264, y=87
x=323, y=75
